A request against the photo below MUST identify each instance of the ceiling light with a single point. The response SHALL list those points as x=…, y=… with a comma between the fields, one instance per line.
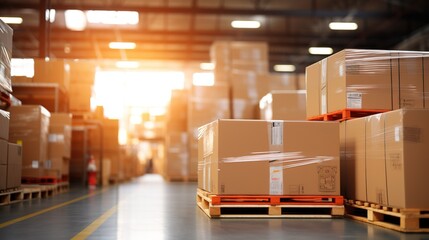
x=50, y=15
x=207, y=66
x=284, y=68
x=343, y=26
x=127, y=64
x=122, y=45
x=245, y=24
x=11, y=20
x=75, y=20
x=320, y=50
x=113, y=17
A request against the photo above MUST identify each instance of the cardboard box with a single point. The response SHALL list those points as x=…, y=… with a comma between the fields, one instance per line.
x=359, y=79
x=247, y=88
x=354, y=163
x=3, y=152
x=284, y=81
x=52, y=71
x=411, y=79
x=176, y=147
x=313, y=76
x=81, y=97
x=59, y=136
x=29, y=125
x=406, y=147
x=32, y=172
x=177, y=111
x=4, y=124
x=3, y=178
x=6, y=35
x=242, y=157
x=375, y=160
x=82, y=72
x=283, y=105
x=14, y=166
x=426, y=81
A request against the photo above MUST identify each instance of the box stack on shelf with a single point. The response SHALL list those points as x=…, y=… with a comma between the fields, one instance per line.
x=176, y=138
x=380, y=99
x=10, y=152
x=82, y=76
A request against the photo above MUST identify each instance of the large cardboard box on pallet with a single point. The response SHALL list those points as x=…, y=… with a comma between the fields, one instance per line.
x=82, y=72
x=4, y=124
x=283, y=105
x=177, y=111
x=52, y=71
x=269, y=157
x=6, y=35
x=285, y=81
x=14, y=165
x=29, y=126
x=353, y=161
x=406, y=152
x=59, y=142
x=3, y=174
x=358, y=79
x=313, y=74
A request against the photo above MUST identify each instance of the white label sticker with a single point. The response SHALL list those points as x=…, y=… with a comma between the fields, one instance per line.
x=341, y=70
x=35, y=164
x=55, y=137
x=354, y=100
x=276, y=180
x=323, y=73
x=324, y=102
x=397, y=134
x=277, y=133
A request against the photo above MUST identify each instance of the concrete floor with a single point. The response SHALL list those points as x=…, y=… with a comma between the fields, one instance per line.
x=149, y=208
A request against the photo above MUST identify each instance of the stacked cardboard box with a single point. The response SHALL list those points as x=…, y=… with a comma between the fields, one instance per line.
x=6, y=35
x=52, y=71
x=384, y=158
x=283, y=105
x=4, y=136
x=367, y=79
x=176, y=138
x=269, y=157
x=29, y=127
x=82, y=75
x=206, y=104
x=59, y=144
x=243, y=66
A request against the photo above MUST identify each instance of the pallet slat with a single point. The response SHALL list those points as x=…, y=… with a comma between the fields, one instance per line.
x=403, y=220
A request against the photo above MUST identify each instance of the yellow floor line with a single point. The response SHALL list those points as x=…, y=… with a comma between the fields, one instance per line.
x=95, y=225
x=20, y=219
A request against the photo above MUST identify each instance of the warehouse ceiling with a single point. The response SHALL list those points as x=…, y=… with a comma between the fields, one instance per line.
x=183, y=30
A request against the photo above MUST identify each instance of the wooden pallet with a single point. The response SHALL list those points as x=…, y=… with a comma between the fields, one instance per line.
x=179, y=179
x=45, y=190
x=11, y=196
x=63, y=187
x=40, y=180
x=31, y=193
x=346, y=114
x=403, y=220
x=255, y=209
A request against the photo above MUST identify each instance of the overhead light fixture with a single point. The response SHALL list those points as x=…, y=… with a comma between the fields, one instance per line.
x=127, y=64
x=245, y=24
x=284, y=68
x=75, y=20
x=320, y=50
x=50, y=15
x=207, y=66
x=343, y=26
x=122, y=45
x=113, y=17
x=11, y=20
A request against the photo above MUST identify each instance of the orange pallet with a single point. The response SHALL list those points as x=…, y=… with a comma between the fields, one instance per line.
x=345, y=114
x=272, y=199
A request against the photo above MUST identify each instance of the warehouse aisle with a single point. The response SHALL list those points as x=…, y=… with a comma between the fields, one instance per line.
x=149, y=208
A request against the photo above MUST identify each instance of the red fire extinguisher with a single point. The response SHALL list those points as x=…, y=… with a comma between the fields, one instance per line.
x=92, y=173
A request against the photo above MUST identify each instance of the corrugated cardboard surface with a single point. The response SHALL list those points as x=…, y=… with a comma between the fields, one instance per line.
x=225, y=140
x=3, y=174
x=29, y=124
x=406, y=158
x=177, y=156
x=4, y=124
x=3, y=152
x=284, y=105
x=313, y=78
x=14, y=167
x=52, y=71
